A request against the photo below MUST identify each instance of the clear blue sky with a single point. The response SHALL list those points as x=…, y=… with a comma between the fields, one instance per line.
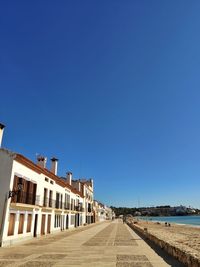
x=111, y=88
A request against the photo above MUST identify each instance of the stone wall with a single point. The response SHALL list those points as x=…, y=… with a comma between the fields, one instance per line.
x=184, y=257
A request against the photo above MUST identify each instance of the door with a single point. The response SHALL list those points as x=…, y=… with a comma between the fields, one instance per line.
x=11, y=226
x=21, y=224
x=49, y=224
x=29, y=222
x=35, y=225
x=76, y=220
x=66, y=222
x=43, y=224
x=62, y=222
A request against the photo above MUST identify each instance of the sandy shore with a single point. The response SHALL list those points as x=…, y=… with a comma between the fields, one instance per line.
x=184, y=237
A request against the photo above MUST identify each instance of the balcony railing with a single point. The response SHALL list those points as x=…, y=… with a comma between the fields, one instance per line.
x=51, y=203
x=26, y=198
x=79, y=208
x=67, y=206
x=48, y=202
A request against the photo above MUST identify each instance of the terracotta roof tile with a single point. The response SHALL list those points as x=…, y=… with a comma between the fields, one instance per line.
x=28, y=163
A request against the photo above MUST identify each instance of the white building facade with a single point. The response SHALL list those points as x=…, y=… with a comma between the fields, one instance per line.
x=34, y=201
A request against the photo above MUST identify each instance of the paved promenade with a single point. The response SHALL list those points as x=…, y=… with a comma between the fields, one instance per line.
x=106, y=244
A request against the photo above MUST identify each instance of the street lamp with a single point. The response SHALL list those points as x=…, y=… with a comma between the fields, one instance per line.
x=15, y=192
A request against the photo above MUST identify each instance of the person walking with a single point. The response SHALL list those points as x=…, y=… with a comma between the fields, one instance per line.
x=124, y=219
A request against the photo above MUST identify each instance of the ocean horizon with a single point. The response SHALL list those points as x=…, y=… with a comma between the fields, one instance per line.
x=188, y=220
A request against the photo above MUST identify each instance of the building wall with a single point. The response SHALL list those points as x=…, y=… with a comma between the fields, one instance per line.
x=5, y=172
x=61, y=219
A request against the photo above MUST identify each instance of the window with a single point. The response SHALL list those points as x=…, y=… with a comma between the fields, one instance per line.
x=51, y=182
x=57, y=221
x=89, y=207
x=67, y=201
x=57, y=200
x=46, y=179
x=50, y=198
x=45, y=197
x=61, y=202
x=27, y=195
x=29, y=222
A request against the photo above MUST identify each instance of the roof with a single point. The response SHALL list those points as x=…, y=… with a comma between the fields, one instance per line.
x=31, y=165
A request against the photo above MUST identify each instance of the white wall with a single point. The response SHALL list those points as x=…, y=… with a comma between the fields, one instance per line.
x=6, y=162
x=7, y=173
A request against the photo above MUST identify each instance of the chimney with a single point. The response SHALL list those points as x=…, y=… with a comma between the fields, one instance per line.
x=41, y=161
x=92, y=183
x=79, y=185
x=69, y=178
x=54, y=165
x=1, y=132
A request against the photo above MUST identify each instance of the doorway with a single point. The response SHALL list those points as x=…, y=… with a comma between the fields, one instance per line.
x=43, y=224
x=66, y=222
x=49, y=224
x=35, y=225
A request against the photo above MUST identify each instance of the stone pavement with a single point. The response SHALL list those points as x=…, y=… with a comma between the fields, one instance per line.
x=106, y=244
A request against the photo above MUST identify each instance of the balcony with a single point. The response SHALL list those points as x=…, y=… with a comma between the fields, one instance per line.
x=48, y=202
x=79, y=208
x=72, y=207
x=55, y=204
x=67, y=206
x=26, y=198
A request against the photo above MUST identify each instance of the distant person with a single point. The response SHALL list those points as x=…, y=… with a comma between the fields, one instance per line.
x=124, y=219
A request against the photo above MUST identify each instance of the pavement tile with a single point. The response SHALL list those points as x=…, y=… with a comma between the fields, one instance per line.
x=108, y=244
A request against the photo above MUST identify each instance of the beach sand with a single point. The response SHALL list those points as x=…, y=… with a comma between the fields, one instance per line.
x=184, y=237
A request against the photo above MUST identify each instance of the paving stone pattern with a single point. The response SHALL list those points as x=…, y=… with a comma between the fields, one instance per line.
x=132, y=261
x=107, y=244
x=123, y=237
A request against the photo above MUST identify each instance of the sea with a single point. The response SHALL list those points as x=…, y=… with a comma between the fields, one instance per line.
x=189, y=220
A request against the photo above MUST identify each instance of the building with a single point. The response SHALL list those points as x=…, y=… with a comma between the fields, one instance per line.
x=102, y=212
x=35, y=201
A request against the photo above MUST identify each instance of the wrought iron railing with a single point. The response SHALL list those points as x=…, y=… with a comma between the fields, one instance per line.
x=79, y=208
x=67, y=206
x=25, y=198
